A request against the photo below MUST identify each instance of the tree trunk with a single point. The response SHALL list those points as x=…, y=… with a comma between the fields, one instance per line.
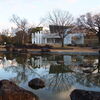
x=98, y=34
x=98, y=63
x=99, y=39
x=62, y=45
x=23, y=40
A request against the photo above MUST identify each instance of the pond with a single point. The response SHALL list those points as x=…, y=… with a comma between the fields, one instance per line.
x=61, y=73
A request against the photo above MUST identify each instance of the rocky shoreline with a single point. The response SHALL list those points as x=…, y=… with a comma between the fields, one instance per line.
x=10, y=91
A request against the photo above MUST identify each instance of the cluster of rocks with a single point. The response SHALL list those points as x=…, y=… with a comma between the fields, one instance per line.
x=10, y=91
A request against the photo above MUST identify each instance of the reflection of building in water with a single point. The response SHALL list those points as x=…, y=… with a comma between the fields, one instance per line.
x=66, y=60
x=47, y=61
x=54, y=63
x=77, y=60
x=39, y=61
x=73, y=60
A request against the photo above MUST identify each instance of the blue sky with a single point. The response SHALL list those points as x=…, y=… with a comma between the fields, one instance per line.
x=33, y=10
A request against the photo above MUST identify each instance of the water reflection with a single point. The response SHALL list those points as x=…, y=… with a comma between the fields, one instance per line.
x=98, y=65
x=60, y=72
x=89, y=80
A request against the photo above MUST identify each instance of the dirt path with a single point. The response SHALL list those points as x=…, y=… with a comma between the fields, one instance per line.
x=76, y=49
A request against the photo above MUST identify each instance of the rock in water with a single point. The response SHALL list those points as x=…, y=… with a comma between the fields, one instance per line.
x=10, y=91
x=36, y=83
x=84, y=95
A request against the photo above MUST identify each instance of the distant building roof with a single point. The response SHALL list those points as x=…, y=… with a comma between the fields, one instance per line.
x=57, y=28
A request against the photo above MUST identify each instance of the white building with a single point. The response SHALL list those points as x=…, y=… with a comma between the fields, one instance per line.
x=53, y=38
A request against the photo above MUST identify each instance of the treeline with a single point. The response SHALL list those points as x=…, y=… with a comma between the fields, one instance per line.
x=88, y=23
x=20, y=37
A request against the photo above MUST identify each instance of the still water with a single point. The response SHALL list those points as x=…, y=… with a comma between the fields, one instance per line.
x=61, y=73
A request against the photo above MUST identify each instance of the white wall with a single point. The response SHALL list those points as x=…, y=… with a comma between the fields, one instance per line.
x=40, y=38
x=68, y=38
x=80, y=39
x=37, y=38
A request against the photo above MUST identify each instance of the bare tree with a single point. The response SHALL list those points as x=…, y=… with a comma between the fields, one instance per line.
x=90, y=23
x=63, y=20
x=21, y=27
x=20, y=23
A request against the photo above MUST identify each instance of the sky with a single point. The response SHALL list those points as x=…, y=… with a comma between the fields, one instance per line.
x=34, y=10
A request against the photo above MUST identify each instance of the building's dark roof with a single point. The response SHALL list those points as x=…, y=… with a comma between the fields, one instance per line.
x=57, y=28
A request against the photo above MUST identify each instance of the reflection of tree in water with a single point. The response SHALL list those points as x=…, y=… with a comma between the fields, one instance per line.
x=23, y=69
x=88, y=80
x=92, y=77
x=21, y=72
x=98, y=66
x=61, y=78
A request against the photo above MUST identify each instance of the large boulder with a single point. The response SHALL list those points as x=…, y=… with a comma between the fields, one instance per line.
x=36, y=83
x=10, y=91
x=84, y=95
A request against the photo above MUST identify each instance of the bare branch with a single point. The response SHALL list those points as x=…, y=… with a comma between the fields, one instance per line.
x=20, y=23
x=61, y=20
